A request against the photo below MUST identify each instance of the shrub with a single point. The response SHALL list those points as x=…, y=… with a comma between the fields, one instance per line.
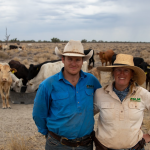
x=55, y=40
x=3, y=55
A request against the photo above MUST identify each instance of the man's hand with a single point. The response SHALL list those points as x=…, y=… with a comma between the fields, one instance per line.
x=147, y=138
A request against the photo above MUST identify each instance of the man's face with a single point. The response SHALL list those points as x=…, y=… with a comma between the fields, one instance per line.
x=72, y=64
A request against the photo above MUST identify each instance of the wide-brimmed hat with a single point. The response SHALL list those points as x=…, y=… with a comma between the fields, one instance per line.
x=126, y=61
x=74, y=48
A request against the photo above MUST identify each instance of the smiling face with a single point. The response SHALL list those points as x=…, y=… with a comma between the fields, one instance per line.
x=122, y=77
x=72, y=65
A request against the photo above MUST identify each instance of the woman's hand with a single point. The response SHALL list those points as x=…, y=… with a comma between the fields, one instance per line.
x=147, y=138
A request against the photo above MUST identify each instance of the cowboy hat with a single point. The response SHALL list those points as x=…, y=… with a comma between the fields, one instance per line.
x=74, y=48
x=126, y=61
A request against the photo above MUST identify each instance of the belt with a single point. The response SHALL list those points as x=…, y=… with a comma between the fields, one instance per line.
x=73, y=143
x=139, y=145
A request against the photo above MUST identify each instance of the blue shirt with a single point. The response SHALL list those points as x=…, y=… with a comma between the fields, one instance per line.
x=64, y=109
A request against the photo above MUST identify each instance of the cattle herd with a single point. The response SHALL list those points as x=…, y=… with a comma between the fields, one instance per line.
x=17, y=77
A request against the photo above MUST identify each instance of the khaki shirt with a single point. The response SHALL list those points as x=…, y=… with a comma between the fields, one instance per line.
x=119, y=122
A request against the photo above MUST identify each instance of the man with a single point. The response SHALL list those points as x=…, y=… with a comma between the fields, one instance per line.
x=63, y=106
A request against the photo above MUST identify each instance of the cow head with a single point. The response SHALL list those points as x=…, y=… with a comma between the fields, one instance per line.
x=5, y=73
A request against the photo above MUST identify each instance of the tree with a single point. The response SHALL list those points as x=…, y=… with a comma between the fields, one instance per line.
x=94, y=41
x=55, y=40
x=83, y=41
x=7, y=37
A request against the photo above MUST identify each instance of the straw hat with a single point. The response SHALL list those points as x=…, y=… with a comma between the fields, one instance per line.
x=74, y=48
x=126, y=61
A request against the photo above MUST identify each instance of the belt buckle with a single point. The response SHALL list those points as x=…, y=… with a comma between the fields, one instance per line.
x=63, y=138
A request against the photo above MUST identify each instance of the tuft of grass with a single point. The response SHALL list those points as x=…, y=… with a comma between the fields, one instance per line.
x=17, y=143
x=25, y=62
x=4, y=55
x=23, y=54
x=54, y=57
x=16, y=58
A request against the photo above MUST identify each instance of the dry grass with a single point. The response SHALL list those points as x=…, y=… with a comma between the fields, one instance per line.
x=19, y=142
x=17, y=59
x=4, y=55
x=147, y=124
x=23, y=54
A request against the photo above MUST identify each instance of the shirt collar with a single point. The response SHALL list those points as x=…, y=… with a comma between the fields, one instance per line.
x=109, y=88
x=61, y=76
x=125, y=90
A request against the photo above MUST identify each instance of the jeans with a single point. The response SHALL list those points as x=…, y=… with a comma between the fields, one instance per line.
x=53, y=144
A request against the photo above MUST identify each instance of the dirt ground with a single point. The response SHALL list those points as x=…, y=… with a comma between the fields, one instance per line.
x=17, y=125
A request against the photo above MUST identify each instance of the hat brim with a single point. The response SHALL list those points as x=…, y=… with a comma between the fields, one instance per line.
x=85, y=57
x=139, y=74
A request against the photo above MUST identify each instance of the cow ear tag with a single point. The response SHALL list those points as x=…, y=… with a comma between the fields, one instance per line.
x=13, y=71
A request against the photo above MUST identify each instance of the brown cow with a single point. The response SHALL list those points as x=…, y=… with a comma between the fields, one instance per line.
x=5, y=83
x=106, y=56
x=96, y=73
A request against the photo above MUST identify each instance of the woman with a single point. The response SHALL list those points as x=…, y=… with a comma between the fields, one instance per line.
x=121, y=106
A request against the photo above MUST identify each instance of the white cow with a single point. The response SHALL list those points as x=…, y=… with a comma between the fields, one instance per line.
x=16, y=83
x=46, y=71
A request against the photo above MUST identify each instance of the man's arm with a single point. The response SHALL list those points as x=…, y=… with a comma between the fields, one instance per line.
x=41, y=108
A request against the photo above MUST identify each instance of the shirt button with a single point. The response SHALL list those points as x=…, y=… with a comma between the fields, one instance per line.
x=122, y=111
x=78, y=102
x=77, y=92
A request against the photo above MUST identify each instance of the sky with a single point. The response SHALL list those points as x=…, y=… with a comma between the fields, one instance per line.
x=106, y=20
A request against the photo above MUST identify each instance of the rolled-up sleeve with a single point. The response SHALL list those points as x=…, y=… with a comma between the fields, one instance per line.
x=41, y=108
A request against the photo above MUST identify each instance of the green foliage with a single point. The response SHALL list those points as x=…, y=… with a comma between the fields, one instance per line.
x=94, y=41
x=55, y=40
x=83, y=41
x=14, y=40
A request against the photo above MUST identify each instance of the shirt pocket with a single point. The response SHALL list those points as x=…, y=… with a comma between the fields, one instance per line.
x=135, y=111
x=60, y=102
x=107, y=111
x=89, y=98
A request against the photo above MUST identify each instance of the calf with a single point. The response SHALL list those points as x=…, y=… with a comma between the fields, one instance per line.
x=92, y=57
x=5, y=83
x=22, y=71
x=34, y=69
x=46, y=71
x=106, y=56
x=16, y=83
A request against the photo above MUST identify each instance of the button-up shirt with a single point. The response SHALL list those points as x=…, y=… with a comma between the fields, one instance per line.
x=119, y=122
x=64, y=109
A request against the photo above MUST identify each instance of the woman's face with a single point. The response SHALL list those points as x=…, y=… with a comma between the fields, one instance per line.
x=122, y=77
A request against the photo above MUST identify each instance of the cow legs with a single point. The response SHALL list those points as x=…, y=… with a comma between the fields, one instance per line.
x=3, y=99
x=7, y=98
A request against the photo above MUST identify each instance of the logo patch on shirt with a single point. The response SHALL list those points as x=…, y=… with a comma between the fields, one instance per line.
x=90, y=86
x=135, y=99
